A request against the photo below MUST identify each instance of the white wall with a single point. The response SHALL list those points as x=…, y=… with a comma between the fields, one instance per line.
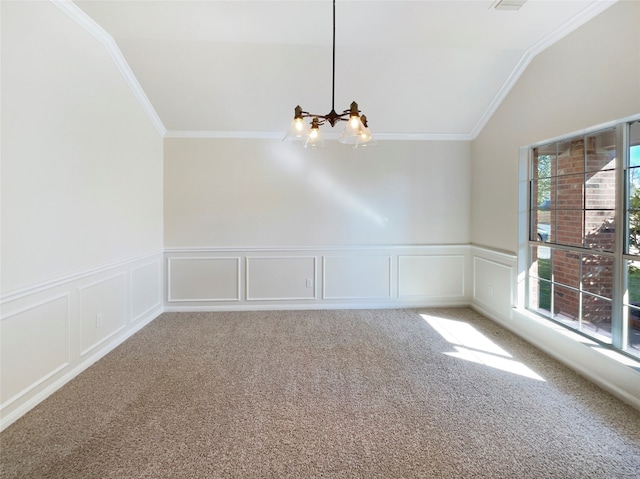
x=260, y=223
x=81, y=204
x=267, y=193
x=588, y=78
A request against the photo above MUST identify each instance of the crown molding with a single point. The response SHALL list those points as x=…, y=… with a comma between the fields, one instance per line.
x=277, y=135
x=257, y=135
x=423, y=136
x=95, y=30
x=590, y=12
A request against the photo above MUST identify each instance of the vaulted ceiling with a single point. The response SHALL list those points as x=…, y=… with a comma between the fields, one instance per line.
x=418, y=69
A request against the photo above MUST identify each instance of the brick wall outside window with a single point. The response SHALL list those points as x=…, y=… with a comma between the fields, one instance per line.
x=582, y=197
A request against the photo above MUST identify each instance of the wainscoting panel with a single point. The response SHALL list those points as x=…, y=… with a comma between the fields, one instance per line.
x=494, y=281
x=102, y=311
x=146, y=289
x=432, y=276
x=52, y=331
x=276, y=278
x=357, y=277
x=204, y=279
x=41, y=333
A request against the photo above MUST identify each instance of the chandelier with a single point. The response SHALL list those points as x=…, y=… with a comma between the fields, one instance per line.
x=355, y=133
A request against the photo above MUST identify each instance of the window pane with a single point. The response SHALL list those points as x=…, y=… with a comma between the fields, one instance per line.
x=596, y=317
x=634, y=155
x=566, y=267
x=633, y=311
x=601, y=152
x=540, y=296
x=540, y=266
x=597, y=274
x=634, y=144
x=569, y=192
x=600, y=190
x=569, y=227
x=570, y=156
x=541, y=229
x=566, y=305
x=544, y=161
x=633, y=344
x=634, y=176
x=633, y=246
x=542, y=193
x=600, y=230
x=633, y=282
x=633, y=212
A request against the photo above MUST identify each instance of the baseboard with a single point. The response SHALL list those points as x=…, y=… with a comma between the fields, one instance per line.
x=317, y=306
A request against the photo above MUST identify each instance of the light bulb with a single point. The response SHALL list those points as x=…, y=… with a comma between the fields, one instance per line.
x=354, y=121
x=298, y=131
x=314, y=133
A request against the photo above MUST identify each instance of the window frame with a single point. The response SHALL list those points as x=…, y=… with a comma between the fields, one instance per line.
x=620, y=302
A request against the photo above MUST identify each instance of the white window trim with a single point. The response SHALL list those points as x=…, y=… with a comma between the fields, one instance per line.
x=523, y=249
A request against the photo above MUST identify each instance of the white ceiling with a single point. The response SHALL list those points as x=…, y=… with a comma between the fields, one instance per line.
x=418, y=69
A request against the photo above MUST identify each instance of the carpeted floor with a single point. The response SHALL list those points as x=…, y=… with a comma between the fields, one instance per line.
x=439, y=393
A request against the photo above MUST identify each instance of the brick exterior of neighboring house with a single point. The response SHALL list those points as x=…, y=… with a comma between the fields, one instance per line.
x=581, y=214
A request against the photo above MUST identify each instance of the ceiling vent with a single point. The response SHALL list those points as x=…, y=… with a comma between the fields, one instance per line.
x=509, y=4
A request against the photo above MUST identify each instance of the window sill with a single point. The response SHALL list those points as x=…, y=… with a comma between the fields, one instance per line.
x=554, y=328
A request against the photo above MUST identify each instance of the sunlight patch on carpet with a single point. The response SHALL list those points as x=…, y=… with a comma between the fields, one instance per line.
x=471, y=345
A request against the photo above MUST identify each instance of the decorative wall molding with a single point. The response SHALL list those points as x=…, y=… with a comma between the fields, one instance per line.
x=95, y=30
x=360, y=285
x=16, y=294
x=494, y=280
x=489, y=290
x=154, y=292
x=171, y=276
x=96, y=345
x=106, y=297
x=71, y=336
x=428, y=276
x=422, y=248
x=275, y=275
x=346, y=277
x=9, y=357
x=36, y=305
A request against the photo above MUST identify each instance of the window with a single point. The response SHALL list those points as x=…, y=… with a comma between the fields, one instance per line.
x=631, y=258
x=584, y=234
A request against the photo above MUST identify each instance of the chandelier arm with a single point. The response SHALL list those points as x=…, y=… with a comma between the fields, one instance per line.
x=306, y=114
x=336, y=117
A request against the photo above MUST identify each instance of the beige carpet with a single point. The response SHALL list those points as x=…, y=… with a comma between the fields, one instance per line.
x=331, y=394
